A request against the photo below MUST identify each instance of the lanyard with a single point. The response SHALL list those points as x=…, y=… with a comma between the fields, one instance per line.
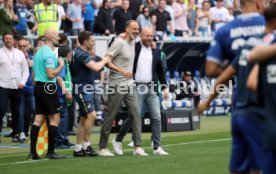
x=12, y=61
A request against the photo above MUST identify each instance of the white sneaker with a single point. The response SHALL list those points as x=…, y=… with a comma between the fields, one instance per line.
x=22, y=136
x=131, y=144
x=160, y=151
x=140, y=152
x=117, y=146
x=105, y=152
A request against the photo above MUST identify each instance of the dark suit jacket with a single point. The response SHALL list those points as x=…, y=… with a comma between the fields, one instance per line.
x=158, y=72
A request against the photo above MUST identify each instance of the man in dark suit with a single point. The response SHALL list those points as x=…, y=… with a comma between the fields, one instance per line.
x=147, y=71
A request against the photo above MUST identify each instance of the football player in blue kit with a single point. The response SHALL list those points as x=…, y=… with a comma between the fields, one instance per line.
x=247, y=120
x=265, y=87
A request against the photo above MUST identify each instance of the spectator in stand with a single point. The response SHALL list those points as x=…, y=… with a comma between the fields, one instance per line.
x=220, y=15
x=27, y=106
x=23, y=14
x=88, y=15
x=188, y=89
x=230, y=10
x=103, y=23
x=66, y=25
x=135, y=6
x=163, y=19
x=97, y=5
x=16, y=39
x=144, y=18
x=74, y=13
x=192, y=17
x=236, y=8
x=61, y=13
x=13, y=77
x=199, y=3
x=153, y=20
x=115, y=4
x=46, y=16
x=203, y=20
x=121, y=16
x=170, y=9
x=7, y=17
x=150, y=3
x=180, y=14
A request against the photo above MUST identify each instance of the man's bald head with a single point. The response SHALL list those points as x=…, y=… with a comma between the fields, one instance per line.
x=146, y=36
x=51, y=35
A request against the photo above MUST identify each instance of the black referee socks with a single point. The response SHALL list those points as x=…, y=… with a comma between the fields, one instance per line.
x=34, y=136
x=52, y=132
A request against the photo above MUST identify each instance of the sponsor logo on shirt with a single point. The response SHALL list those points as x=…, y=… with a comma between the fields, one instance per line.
x=50, y=61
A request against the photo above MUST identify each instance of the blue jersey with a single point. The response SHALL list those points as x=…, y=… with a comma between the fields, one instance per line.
x=247, y=102
x=82, y=74
x=231, y=37
x=267, y=93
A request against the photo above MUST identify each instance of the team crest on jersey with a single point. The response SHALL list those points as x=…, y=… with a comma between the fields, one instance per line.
x=271, y=74
x=268, y=38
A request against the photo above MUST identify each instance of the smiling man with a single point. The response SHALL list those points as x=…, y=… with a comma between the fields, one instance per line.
x=147, y=70
x=122, y=52
x=14, y=74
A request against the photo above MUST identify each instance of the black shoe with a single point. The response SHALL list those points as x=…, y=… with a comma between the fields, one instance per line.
x=34, y=156
x=10, y=134
x=69, y=144
x=55, y=156
x=16, y=139
x=79, y=153
x=90, y=152
x=62, y=146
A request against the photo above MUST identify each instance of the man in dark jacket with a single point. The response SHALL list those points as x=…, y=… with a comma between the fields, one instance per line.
x=103, y=23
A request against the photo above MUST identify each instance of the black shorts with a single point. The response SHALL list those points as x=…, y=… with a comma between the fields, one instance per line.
x=46, y=98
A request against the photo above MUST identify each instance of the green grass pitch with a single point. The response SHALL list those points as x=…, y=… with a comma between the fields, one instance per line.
x=205, y=151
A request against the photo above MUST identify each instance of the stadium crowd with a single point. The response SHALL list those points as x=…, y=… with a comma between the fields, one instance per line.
x=105, y=17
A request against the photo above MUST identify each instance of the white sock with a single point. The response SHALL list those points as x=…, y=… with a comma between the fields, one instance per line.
x=85, y=145
x=78, y=147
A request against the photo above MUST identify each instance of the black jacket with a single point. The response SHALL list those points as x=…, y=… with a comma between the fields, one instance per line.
x=104, y=22
x=158, y=72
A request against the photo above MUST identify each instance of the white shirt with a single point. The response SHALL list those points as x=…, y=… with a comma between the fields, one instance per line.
x=13, y=67
x=61, y=13
x=144, y=66
x=219, y=13
x=98, y=2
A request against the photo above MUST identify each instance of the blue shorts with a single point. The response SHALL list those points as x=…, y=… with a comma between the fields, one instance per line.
x=85, y=102
x=269, y=162
x=247, y=144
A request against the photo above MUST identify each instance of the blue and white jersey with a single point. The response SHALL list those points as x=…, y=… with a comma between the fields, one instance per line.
x=247, y=102
x=267, y=94
x=231, y=37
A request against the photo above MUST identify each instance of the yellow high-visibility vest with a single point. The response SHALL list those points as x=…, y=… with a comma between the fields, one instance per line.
x=46, y=18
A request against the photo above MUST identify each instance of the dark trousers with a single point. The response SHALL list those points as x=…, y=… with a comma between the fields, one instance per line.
x=88, y=25
x=62, y=137
x=72, y=115
x=27, y=110
x=14, y=95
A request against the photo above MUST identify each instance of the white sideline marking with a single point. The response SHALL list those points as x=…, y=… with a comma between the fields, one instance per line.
x=168, y=145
